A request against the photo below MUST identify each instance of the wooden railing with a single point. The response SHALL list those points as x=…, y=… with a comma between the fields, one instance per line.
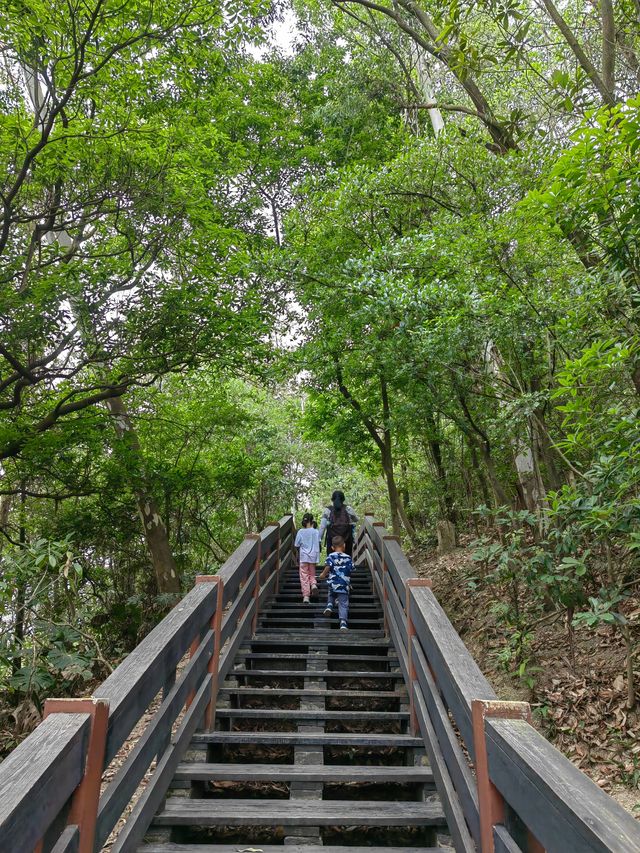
x=50, y=799
x=504, y=787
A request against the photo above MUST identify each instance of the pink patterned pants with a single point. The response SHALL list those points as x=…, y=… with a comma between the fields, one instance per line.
x=307, y=577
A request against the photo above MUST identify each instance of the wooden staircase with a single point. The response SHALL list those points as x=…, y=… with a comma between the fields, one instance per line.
x=311, y=743
x=247, y=722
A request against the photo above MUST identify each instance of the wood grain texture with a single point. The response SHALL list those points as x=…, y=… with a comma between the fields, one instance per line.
x=456, y=823
x=179, y=811
x=287, y=714
x=151, y=798
x=561, y=806
x=398, y=566
x=308, y=738
x=230, y=618
x=273, y=848
x=68, y=842
x=503, y=842
x=458, y=676
x=141, y=675
x=301, y=773
x=234, y=570
x=461, y=776
x=38, y=777
x=119, y=791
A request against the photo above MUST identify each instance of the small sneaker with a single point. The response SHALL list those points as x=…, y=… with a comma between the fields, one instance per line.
x=305, y=600
x=327, y=611
x=314, y=592
x=343, y=626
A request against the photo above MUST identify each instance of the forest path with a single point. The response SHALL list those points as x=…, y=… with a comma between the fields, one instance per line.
x=311, y=744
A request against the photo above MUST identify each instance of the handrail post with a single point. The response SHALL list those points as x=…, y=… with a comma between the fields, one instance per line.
x=411, y=632
x=385, y=571
x=490, y=800
x=214, y=660
x=257, y=568
x=84, y=803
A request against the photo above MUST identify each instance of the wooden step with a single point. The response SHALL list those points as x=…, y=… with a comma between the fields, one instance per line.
x=179, y=811
x=287, y=714
x=308, y=691
x=310, y=673
x=172, y=847
x=390, y=658
x=309, y=739
x=203, y=772
x=336, y=639
x=324, y=633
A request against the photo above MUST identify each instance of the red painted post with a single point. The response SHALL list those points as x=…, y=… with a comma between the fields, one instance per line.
x=411, y=632
x=490, y=800
x=84, y=804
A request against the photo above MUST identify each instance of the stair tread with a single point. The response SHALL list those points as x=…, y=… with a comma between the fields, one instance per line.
x=311, y=691
x=286, y=713
x=172, y=847
x=310, y=638
x=263, y=812
x=328, y=738
x=320, y=673
x=302, y=773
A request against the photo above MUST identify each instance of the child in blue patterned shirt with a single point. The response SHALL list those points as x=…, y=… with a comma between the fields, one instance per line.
x=338, y=569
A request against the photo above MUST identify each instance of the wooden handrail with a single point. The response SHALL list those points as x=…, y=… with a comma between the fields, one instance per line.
x=531, y=797
x=29, y=804
x=59, y=762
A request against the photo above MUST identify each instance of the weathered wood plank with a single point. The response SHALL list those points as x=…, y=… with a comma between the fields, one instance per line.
x=268, y=539
x=309, y=738
x=286, y=525
x=396, y=634
x=269, y=691
x=132, y=686
x=396, y=607
x=503, y=842
x=234, y=570
x=302, y=773
x=458, y=829
x=272, y=848
x=38, y=777
x=398, y=567
x=230, y=618
x=319, y=673
x=458, y=676
x=119, y=791
x=339, y=639
x=561, y=806
x=288, y=714
x=69, y=841
x=242, y=630
x=151, y=798
x=180, y=812
x=461, y=776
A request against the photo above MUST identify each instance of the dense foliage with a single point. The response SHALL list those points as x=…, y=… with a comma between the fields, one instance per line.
x=393, y=250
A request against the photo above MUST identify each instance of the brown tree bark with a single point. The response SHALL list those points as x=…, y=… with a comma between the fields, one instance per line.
x=383, y=440
x=155, y=533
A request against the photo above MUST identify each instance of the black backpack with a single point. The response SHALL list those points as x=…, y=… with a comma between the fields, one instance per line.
x=339, y=522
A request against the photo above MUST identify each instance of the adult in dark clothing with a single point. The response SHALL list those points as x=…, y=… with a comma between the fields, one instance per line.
x=338, y=519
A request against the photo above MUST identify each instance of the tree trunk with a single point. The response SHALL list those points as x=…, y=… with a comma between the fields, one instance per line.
x=155, y=533
x=446, y=533
x=18, y=630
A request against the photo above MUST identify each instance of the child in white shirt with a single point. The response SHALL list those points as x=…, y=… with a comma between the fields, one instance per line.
x=308, y=543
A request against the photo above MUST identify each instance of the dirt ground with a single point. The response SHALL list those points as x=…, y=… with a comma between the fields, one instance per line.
x=579, y=704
